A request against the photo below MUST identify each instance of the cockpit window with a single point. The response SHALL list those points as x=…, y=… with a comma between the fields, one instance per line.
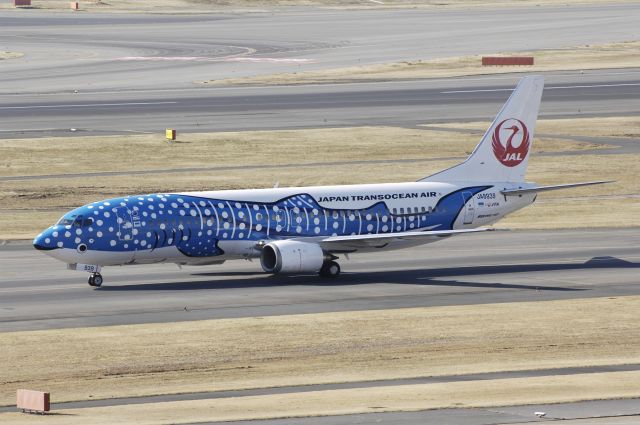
x=75, y=221
x=67, y=221
x=78, y=221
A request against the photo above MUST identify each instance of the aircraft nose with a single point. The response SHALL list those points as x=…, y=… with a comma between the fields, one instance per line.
x=45, y=241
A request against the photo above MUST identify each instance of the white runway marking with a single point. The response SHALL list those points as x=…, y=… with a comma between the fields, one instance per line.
x=546, y=88
x=207, y=59
x=271, y=60
x=86, y=105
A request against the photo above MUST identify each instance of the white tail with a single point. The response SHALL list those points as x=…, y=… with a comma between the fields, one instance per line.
x=503, y=153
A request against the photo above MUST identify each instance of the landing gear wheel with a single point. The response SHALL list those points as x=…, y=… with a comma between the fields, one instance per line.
x=330, y=269
x=95, y=279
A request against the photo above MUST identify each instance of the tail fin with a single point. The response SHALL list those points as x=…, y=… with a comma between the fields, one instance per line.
x=503, y=153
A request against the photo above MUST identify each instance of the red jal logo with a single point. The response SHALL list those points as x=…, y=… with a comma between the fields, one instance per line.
x=515, y=150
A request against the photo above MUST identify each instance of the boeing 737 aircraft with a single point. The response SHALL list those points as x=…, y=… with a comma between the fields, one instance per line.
x=305, y=229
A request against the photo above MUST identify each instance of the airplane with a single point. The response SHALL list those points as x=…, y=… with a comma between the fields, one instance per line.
x=305, y=229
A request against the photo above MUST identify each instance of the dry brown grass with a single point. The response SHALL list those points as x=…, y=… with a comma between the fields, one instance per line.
x=58, y=155
x=488, y=393
x=150, y=151
x=117, y=361
x=28, y=206
x=613, y=55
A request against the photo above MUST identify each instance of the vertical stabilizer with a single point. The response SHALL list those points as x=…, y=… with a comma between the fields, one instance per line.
x=503, y=153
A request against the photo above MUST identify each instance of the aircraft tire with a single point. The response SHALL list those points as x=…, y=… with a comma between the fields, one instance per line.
x=330, y=269
x=95, y=280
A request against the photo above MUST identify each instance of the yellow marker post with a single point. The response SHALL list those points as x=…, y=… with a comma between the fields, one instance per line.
x=171, y=134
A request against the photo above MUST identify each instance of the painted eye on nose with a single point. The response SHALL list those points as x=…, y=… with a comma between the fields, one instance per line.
x=81, y=248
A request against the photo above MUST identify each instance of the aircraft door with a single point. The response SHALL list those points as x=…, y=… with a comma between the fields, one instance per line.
x=125, y=224
x=469, y=207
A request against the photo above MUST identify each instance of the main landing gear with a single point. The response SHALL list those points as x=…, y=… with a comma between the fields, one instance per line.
x=330, y=269
x=95, y=280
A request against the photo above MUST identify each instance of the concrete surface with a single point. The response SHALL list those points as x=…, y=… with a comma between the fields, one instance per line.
x=406, y=103
x=136, y=72
x=37, y=292
x=600, y=412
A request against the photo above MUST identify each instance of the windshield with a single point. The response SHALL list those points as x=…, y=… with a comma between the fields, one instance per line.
x=75, y=220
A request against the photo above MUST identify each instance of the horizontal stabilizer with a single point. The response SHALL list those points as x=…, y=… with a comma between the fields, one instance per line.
x=547, y=188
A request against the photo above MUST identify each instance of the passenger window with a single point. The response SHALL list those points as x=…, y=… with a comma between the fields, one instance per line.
x=401, y=210
x=395, y=211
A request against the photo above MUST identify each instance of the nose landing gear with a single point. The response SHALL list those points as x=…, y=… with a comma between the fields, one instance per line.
x=95, y=280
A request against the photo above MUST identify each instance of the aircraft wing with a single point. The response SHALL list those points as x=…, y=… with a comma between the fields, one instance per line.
x=547, y=188
x=334, y=243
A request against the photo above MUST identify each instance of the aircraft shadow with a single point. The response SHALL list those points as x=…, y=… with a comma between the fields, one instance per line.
x=423, y=276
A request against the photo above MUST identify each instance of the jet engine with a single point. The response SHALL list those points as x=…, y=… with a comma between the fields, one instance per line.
x=288, y=256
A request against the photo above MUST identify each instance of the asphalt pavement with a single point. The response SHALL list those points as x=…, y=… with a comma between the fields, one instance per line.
x=114, y=74
x=37, y=292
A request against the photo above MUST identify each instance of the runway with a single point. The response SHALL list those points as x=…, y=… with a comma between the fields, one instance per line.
x=100, y=52
x=37, y=292
x=114, y=74
x=407, y=104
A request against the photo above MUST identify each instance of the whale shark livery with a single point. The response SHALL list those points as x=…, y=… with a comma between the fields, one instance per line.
x=306, y=229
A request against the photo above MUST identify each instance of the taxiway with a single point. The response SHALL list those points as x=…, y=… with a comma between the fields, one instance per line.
x=37, y=292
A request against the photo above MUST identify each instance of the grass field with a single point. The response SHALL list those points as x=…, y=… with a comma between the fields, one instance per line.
x=116, y=361
x=310, y=157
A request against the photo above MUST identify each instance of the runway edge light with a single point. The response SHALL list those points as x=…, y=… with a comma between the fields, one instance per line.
x=171, y=134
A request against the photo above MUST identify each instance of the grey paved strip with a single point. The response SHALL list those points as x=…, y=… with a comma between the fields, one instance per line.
x=596, y=412
x=340, y=386
x=38, y=292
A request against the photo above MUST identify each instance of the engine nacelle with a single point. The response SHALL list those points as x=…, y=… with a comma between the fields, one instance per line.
x=291, y=257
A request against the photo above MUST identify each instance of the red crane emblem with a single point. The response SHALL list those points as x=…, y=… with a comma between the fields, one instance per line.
x=508, y=154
